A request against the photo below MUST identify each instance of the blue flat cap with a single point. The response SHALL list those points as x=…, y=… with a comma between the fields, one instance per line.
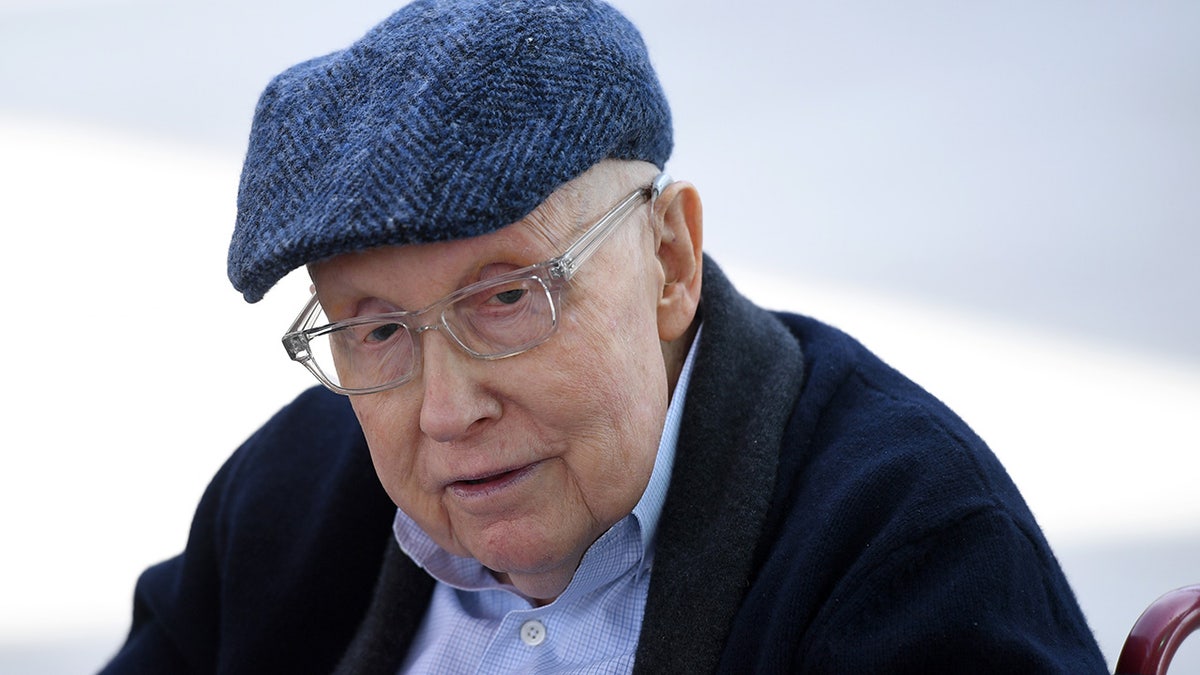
x=451, y=119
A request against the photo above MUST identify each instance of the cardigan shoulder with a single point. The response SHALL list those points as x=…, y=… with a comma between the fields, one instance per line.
x=861, y=417
x=896, y=539
x=880, y=459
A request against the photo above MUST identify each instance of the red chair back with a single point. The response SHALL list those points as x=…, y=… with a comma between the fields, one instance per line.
x=1159, y=631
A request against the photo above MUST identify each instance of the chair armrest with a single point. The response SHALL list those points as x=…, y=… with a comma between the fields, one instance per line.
x=1159, y=631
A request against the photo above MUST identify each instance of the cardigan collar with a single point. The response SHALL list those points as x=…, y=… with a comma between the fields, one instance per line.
x=748, y=374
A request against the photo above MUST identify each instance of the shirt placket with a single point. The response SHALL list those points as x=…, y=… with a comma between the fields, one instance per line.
x=522, y=641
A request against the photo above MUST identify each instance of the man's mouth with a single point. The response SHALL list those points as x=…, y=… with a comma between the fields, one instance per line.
x=488, y=479
x=486, y=485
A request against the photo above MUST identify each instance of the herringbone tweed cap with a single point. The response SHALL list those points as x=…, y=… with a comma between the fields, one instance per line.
x=451, y=119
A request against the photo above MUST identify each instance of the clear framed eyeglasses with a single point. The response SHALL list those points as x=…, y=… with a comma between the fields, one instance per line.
x=491, y=319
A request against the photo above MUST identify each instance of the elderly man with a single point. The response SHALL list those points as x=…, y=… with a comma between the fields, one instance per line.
x=552, y=437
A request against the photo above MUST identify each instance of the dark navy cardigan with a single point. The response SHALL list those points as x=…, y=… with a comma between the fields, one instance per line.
x=825, y=515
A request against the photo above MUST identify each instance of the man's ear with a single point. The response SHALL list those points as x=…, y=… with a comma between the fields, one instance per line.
x=680, y=253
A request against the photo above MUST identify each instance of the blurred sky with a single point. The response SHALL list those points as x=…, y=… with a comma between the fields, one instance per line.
x=999, y=197
x=1035, y=160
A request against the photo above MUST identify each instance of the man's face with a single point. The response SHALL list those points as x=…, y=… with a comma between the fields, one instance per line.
x=522, y=462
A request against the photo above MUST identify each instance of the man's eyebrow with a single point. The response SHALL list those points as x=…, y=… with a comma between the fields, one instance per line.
x=374, y=305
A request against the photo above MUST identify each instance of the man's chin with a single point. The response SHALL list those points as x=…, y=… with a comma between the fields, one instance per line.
x=542, y=588
x=541, y=578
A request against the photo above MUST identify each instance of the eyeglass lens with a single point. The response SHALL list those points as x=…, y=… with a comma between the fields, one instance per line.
x=495, y=321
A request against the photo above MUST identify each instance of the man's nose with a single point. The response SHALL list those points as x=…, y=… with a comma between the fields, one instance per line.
x=454, y=401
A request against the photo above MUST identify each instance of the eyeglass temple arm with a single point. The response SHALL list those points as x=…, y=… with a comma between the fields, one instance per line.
x=565, y=265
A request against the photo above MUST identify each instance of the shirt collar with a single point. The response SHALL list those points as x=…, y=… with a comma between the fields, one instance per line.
x=468, y=574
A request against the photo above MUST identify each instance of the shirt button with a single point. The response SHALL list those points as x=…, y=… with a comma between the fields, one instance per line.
x=533, y=632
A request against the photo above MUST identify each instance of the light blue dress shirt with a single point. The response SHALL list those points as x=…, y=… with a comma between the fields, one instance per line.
x=475, y=624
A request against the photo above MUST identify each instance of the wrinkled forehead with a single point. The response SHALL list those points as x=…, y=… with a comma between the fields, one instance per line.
x=450, y=120
x=546, y=232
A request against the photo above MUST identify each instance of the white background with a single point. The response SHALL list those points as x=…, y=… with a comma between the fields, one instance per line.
x=1000, y=198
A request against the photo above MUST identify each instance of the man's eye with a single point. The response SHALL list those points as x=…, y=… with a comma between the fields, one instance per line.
x=383, y=333
x=510, y=296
